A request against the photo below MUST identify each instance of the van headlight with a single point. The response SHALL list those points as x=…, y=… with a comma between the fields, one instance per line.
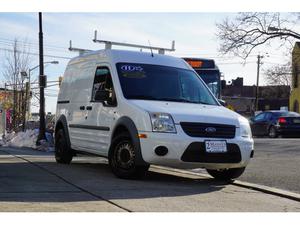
x=245, y=129
x=162, y=122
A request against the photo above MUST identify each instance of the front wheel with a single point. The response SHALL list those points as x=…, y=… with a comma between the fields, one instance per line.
x=122, y=158
x=226, y=174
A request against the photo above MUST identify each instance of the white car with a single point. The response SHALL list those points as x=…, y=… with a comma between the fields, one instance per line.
x=137, y=109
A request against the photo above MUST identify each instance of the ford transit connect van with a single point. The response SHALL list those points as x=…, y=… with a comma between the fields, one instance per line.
x=138, y=109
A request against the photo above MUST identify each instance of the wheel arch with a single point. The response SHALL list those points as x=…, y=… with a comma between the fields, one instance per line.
x=125, y=124
x=62, y=123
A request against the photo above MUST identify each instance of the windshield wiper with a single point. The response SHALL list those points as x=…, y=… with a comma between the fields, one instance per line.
x=204, y=103
x=183, y=100
x=176, y=100
x=149, y=97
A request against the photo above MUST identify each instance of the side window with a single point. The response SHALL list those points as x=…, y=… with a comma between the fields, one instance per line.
x=260, y=117
x=192, y=92
x=268, y=116
x=103, y=81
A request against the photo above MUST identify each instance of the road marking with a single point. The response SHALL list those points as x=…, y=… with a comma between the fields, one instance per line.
x=257, y=187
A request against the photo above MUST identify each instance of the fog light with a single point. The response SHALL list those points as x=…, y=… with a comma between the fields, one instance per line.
x=161, y=150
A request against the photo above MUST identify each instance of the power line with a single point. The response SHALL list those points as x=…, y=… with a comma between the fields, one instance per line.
x=33, y=53
x=30, y=43
x=232, y=63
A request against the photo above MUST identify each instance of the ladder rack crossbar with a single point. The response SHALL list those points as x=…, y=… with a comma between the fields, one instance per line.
x=80, y=50
x=109, y=44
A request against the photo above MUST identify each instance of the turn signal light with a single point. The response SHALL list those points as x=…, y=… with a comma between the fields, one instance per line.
x=142, y=135
x=281, y=120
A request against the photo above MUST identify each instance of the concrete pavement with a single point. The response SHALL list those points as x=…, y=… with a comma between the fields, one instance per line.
x=32, y=181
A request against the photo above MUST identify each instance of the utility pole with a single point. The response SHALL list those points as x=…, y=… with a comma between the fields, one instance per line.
x=259, y=57
x=4, y=110
x=42, y=129
x=14, y=116
x=25, y=102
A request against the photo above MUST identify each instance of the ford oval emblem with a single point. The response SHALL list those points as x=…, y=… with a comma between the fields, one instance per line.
x=210, y=129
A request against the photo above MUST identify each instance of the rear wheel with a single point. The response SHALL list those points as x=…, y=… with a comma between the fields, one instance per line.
x=272, y=132
x=122, y=158
x=63, y=152
x=226, y=174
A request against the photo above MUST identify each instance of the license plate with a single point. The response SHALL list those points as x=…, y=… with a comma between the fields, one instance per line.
x=215, y=146
x=296, y=120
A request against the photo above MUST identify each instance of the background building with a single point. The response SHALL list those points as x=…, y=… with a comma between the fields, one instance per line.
x=241, y=98
x=295, y=94
x=7, y=103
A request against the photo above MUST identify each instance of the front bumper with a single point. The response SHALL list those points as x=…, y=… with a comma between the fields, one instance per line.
x=189, y=152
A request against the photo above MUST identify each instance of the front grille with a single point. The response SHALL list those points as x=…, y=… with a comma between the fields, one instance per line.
x=200, y=130
x=195, y=152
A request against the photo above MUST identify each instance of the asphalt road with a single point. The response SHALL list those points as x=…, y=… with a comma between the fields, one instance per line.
x=32, y=181
x=276, y=163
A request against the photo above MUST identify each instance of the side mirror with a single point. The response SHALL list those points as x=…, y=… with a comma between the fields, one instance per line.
x=101, y=95
x=222, y=102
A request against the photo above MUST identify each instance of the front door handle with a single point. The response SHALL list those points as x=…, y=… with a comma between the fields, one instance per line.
x=82, y=107
x=89, y=108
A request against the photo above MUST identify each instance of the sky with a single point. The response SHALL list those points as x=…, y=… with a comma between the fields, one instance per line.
x=194, y=35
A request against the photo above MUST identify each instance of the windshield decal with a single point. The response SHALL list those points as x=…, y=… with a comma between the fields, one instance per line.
x=132, y=71
x=131, y=68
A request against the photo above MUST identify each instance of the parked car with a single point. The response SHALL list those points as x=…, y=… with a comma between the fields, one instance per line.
x=138, y=108
x=276, y=123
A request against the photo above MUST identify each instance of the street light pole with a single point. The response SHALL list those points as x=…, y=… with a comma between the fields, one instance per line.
x=27, y=99
x=42, y=129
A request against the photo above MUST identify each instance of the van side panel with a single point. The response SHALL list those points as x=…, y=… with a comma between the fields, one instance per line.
x=81, y=87
x=82, y=82
x=63, y=100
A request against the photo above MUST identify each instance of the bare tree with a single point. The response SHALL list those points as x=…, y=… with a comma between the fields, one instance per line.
x=16, y=60
x=279, y=75
x=250, y=30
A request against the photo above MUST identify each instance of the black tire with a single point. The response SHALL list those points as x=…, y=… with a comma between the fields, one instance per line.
x=63, y=152
x=122, y=158
x=272, y=132
x=226, y=174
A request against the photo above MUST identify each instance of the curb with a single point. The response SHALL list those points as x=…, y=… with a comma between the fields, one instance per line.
x=256, y=187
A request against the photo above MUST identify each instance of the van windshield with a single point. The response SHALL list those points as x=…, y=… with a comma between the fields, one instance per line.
x=162, y=83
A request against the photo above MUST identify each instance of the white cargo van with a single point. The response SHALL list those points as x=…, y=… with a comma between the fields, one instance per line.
x=138, y=109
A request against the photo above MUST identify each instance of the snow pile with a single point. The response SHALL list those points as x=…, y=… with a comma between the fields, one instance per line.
x=28, y=139
x=22, y=139
x=1, y=142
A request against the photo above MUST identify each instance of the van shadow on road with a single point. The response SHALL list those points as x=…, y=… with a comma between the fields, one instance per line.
x=43, y=180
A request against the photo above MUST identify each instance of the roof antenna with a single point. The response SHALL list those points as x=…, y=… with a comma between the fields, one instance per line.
x=150, y=49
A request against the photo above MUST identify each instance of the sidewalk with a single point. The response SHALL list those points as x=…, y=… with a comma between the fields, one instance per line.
x=31, y=181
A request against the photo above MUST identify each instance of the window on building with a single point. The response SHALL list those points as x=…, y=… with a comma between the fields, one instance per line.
x=296, y=106
x=295, y=76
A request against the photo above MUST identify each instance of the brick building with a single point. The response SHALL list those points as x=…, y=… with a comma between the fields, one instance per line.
x=241, y=98
x=295, y=93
